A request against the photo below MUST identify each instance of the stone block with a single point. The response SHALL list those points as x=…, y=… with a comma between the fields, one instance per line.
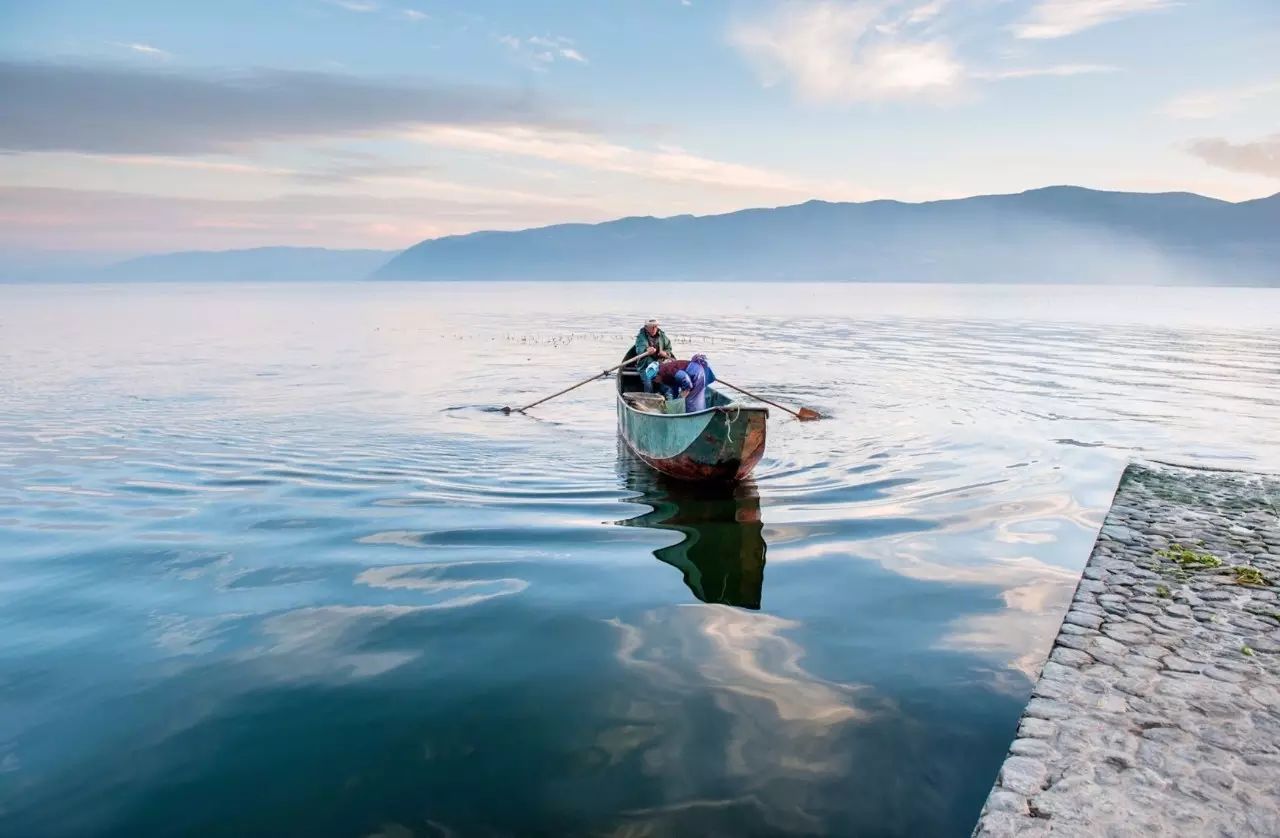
x=1029, y=747
x=1025, y=775
x=1069, y=657
x=1036, y=729
x=1003, y=800
x=1079, y=618
x=1048, y=709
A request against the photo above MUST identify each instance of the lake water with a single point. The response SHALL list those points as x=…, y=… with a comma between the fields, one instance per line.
x=270, y=564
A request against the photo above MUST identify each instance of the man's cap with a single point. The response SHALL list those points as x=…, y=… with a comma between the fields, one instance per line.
x=653, y=321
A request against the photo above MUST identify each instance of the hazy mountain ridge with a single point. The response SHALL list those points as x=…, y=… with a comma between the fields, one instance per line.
x=1056, y=234
x=1060, y=234
x=260, y=264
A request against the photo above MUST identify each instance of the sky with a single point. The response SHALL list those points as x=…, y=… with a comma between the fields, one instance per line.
x=133, y=127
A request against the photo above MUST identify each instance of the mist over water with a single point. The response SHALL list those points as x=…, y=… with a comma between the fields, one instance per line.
x=269, y=561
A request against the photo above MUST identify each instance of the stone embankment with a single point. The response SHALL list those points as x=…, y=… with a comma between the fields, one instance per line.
x=1158, y=710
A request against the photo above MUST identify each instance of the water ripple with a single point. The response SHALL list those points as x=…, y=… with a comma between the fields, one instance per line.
x=269, y=558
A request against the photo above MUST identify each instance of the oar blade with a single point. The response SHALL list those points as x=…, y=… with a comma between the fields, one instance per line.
x=807, y=415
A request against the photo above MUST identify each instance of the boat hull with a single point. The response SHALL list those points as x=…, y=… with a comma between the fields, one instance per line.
x=719, y=444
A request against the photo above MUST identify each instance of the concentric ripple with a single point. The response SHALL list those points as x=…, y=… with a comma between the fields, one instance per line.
x=274, y=563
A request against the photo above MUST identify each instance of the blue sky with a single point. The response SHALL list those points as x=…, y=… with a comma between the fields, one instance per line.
x=145, y=126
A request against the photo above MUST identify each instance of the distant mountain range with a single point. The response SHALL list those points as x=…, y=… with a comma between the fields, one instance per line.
x=261, y=264
x=1060, y=234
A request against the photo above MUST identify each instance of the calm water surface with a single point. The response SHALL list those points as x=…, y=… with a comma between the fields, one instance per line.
x=269, y=564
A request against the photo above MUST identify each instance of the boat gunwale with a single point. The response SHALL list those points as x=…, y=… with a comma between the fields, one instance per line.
x=733, y=407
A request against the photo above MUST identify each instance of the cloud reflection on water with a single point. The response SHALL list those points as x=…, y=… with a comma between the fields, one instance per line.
x=778, y=719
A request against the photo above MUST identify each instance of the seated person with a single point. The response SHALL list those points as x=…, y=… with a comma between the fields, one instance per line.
x=651, y=340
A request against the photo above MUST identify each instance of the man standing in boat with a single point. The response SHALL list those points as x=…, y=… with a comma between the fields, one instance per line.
x=651, y=340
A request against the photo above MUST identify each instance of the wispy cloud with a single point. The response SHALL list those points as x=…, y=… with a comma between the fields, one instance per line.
x=1052, y=70
x=55, y=107
x=413, y=15
x=590, y=151
x=1209, y=104
x=360, y=6
x=927, y=12
x=539, y=51
x=146, y=49
x=1261, y=157
x=1060, y=18
x=120, y=220
x=839, y=52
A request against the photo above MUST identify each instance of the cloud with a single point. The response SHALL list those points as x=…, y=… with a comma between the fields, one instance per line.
x=1054, y=70
x=539, y=51
x=582, y=150
x=1209, y=104
x=1060, y=18
x=413, y=15
x=355, y=6
x=927, y=12
x=52, y=107
x=1261, y=157
x=837, y=52
x=146, y=49
x=36, y=217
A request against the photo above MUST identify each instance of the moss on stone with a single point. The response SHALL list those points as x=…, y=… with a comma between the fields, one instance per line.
x=1189, y=559
x=1246, y=575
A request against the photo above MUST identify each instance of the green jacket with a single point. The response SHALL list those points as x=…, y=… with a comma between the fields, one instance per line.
x=660, y=340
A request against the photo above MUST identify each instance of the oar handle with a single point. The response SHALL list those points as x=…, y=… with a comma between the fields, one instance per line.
x=718, y=380
x=630, y=360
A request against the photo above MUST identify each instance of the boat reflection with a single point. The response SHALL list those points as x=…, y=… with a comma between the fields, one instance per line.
x=722, y=552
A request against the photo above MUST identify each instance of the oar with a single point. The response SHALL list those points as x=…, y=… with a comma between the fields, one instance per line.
x=632, y=360
x=804, y=414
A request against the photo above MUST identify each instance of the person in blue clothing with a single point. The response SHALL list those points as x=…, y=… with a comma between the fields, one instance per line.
x=649, y=375
x=681, y=378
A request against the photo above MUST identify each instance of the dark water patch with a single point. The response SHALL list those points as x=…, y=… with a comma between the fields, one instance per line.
x=324, y=524
x=1079, y=444
x=540, y=538
x=240, y=482
x=156, y=488
x=479, y=408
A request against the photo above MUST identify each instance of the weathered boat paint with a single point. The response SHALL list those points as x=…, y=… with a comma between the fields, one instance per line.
x=722, y=443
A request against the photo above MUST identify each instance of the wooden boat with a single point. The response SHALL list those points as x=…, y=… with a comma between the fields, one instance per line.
x=719, y=444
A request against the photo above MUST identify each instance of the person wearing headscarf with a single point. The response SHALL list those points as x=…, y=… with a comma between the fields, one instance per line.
x=683, y=378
